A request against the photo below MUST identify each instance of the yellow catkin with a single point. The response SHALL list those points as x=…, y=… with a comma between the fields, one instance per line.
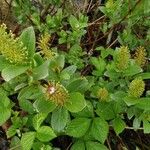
x=12, y=48
x=43, y=45
x=140, y=56
x=122, y=58
x=136, y=88
x=56, y=92
x=102, y=94
x=109, y=4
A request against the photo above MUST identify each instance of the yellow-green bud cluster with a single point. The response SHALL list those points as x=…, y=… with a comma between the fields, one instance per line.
x=109, y=4
x=12, y=48
x=122, y=58
x=43, y=45
x=56, y=92
x=136, y=88
x=140, y=56
x=102, y=94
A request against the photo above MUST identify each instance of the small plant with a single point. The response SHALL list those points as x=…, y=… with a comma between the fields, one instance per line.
x=81, y=75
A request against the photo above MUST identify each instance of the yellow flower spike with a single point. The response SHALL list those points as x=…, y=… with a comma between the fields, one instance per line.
x=140, y=56
x=43, y=45
x=102, y=94
x=136, y=88
x=122, y=58
x=56, y=92
x=109, y=4
x=12, y=48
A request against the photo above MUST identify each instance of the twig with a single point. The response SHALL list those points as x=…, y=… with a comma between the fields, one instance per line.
x=102, y=17
x=8, y=3
x=132, y=128
x=129, y=128
x=109, y=146
x=69, y=146
x=85, y=5
x=121, y=142
x=44, y=12
x=89, y=6
x=112, y=43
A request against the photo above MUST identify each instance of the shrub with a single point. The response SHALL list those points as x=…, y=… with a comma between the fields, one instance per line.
x=53, y=84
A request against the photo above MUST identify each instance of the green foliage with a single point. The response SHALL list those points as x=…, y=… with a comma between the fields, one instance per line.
x=78, y=127
x=5, y=108
x=96, y=131
x=95, y=146
x=82, y=88
x=27, y=140
x=45, y=134
x=59, y=119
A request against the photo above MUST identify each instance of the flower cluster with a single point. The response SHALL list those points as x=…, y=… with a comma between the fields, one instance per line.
x=140, y=56
x=122, y=58
x=109, y=4
x=102, y=94
x=43, y=45
x=136, y=88
x=56, y=92
x=12, y=48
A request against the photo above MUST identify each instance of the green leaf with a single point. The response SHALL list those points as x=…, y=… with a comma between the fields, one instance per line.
x=131, y=100
x=111, y=73
x=59, y=62
x=43, y=105
x=74, y=22
x=42, y=71
x=5, y=110
x=99, y=64
x=78, y=127
x=11, y=131
x=26, y=105
x=105, y=110
x=20, y=86
x=28, y=39
x=79, y=145
x=90, y=145
x=145, y=75
x=132, y=70
x=70, y=70
x=86, y=112
x=99, y=129
x=27, y=140
x=15, y=143
x=106, y=52
x=13, y=71
x=5, y=114
x=136, y=123
x=3, y=63
x=38, y=59
x=78, y=85
x=4, y=101
x=45, y=134
x=67, y=72
x=146, y=125
x=144, y=103
x=76, y=102
x=59, y=118
x=41, y=146
x=38, y=145
x=29, y=92
x=38, y=119
x=118, y=125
